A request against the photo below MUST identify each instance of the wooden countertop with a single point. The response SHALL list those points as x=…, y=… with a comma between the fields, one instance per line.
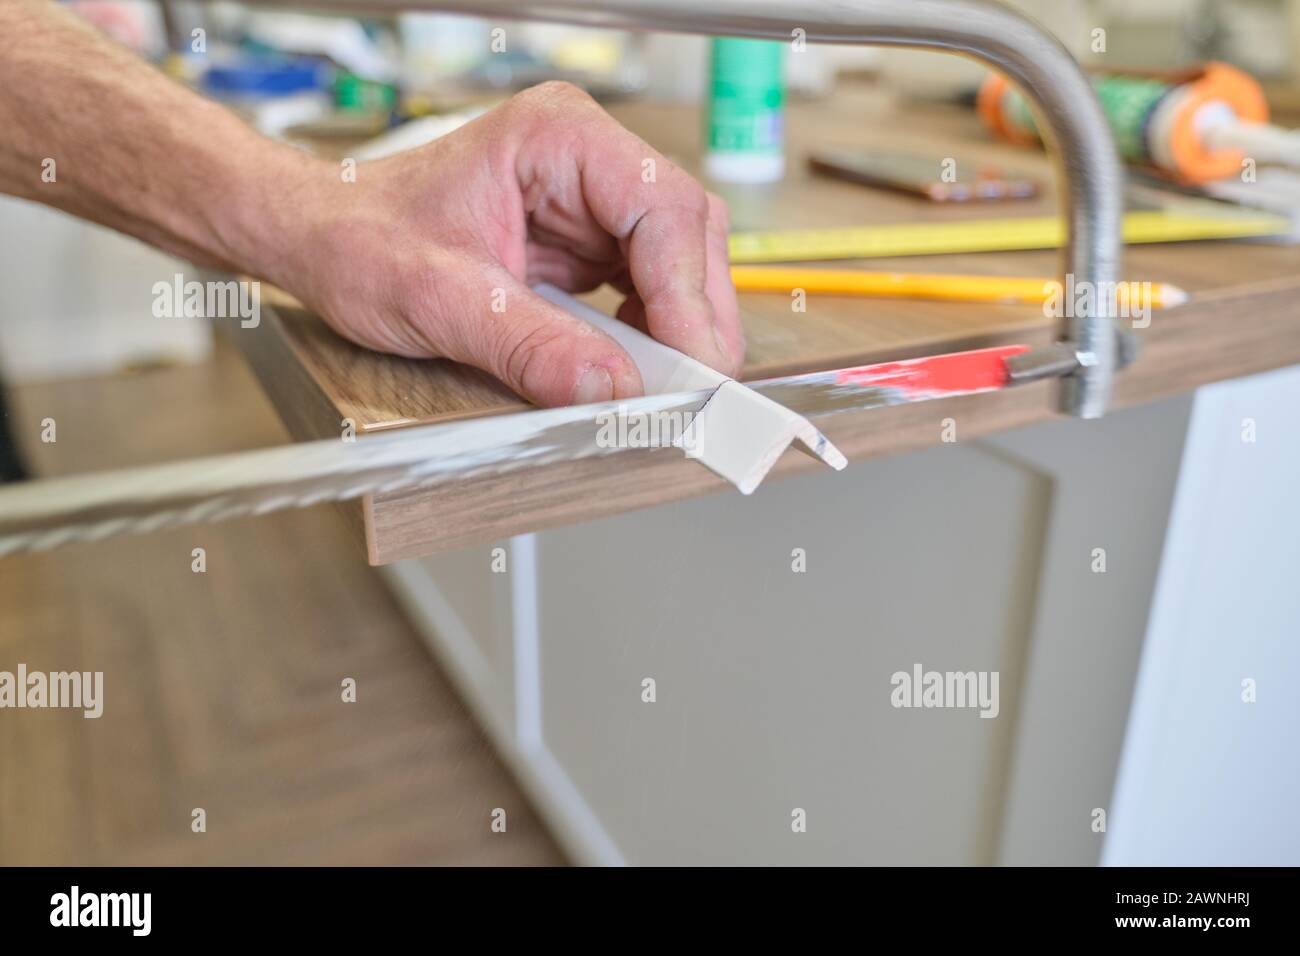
x=1242, y=319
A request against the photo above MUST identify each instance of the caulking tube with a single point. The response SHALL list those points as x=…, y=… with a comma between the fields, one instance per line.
x=746, y=115
x=1196, y=128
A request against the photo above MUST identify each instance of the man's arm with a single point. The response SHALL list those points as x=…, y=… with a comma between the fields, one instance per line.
x=429, y=253
x=130, y=148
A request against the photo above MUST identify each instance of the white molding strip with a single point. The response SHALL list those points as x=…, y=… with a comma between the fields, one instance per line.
x=739, y=433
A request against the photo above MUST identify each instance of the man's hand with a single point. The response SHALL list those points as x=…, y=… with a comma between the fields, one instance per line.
x=432, y=252
x=429, y=253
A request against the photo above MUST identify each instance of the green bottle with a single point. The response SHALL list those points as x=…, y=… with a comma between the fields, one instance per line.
x=746, y=114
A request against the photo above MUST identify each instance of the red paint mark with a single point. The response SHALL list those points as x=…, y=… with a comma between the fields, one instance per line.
x=975, y=371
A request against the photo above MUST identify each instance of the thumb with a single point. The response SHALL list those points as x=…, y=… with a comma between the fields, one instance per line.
x=547, y=355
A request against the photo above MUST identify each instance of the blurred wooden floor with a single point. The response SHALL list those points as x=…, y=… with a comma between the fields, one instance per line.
x=223, y=689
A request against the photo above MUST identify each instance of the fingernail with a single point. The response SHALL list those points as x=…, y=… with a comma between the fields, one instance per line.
x=594, y=386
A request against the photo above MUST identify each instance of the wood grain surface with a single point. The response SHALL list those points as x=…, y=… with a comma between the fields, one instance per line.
x=222, y=689
x=1242, y=319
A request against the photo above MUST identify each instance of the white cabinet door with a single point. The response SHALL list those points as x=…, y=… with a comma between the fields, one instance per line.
x=1211, y=769
x=775, y=689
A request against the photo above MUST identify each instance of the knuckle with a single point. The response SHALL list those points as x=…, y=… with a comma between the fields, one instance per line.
x=689, y=196
x=719, y=214
x=553, y=95
x=697, y=200
x=564, y=90
x=521, y=352
x=552, y=112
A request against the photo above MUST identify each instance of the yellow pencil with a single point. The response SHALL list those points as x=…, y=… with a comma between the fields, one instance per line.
x=1157, y=295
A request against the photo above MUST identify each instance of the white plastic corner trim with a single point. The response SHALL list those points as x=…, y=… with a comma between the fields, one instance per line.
x=738, y=434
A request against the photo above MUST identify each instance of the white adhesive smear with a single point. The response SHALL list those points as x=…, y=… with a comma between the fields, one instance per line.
x=738, y=434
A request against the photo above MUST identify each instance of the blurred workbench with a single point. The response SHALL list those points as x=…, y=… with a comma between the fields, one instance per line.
x=1241, y=320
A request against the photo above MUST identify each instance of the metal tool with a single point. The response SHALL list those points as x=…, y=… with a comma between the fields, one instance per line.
x=1004, y=39
x=39, y=515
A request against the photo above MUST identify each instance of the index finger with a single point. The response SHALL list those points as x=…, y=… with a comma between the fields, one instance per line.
x=661, y=217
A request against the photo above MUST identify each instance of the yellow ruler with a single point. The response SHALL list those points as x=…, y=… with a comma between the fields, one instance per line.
x=985, y=235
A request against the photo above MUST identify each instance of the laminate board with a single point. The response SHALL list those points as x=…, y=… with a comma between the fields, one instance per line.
x=1241, y=319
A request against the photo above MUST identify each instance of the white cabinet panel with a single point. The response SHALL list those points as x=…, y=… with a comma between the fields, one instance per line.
x=1114, y=480
x=1208, y=777
x=773, y=687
